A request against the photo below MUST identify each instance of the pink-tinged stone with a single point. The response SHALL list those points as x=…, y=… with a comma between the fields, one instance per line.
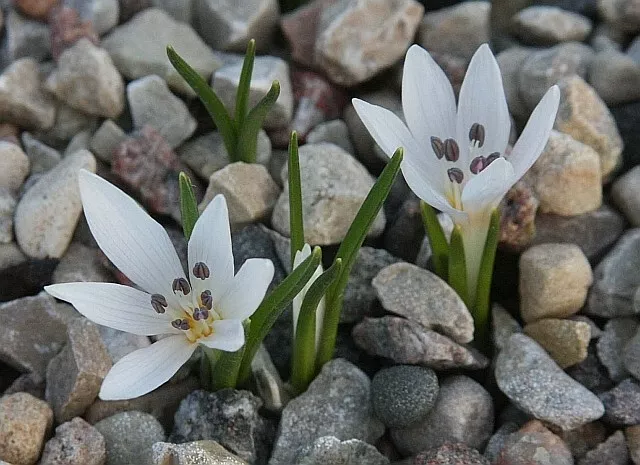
x=37, y=9
x=67, y=27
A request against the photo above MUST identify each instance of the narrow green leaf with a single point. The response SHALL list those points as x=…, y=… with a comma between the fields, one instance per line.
x=273, y=305
x=296, y=221
x=437, y=239
x=225, y=371
x=458, y=266
x=242, y=94
x=304, y=348
x=188, y=205
x=248, y=132
x=348, y=252
x=212, y=103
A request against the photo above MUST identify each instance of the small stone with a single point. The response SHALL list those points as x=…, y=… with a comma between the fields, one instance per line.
x=622, y=404
x=48, y=212
x=266, y=69
x=497, y=441
x=79, y=142
x=129, y=8
x=595, y=330
x=520, y=206
x=554, y=280
x=617, y=333
x=14, y=166
x=463, y=413
x=86, y=79
x=582, y=439
x=591, y=373
x=334, y=131
x=622, y=14
x=632, y=434
x=26, y=38
x=7, y=208
x=130, y=437
x=404, y=341
x=357, y=40
x=504, y=325
x=403, y=394
x=450, y=454
x=250, y=192
x=68, y=26
x=193, y=453
x=41, y=157
x=510, y=62
x=24, y=424
x=528, y=376
x=341, y=390
x=331, y=450
x=421, y=296
x=611, y=452
x=38, y=9
x=615, y=77
x=565, y=340
x=584, y=116
x=335, y=185
x=268, y=382
x=405, y=235
x=548, y=25
x=75, y=443
x=81, y=264
x=180, y=11
x=68, y=123
x=104, y=15
x=119, y=343
x=10, y=255
x=106, y=140
x=456, y=30
x=152, y=103
x=625, y=193
x=22, y=99
x=534, y=445
x=631, y=355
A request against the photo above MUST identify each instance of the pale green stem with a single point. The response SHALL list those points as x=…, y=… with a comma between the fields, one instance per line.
x=474, y=238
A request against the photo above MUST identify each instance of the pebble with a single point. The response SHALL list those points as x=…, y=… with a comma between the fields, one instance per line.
x=631, y=356
x=566, y=341
x=528, y=376
x=497, y=441
x=463, y=412
x=331, y=450
x=456, y=30
x=613, y=451
x=335, y=185
x=180, y=11
x=193, y=453
x=68, y=26
x=534, y=445
x=510, y=62
x=7, y=209
x=421, y=296
x=68, y=123
x=450, y=454
x=582, y=439
x=104, y=15
x=405, y=234
x=25, y=422
x=591, y=373
x=38, y=9
x=75, y=443
x=86, y=79
x=138, y=49
x=341, y=390
x=554, y=280
x=268, y=382
x=229, y=417
x=357, y=40
x=548, y=25
x=14, y=166
x=616, y=279
x=119, y=343
x=152, y=103
x=130, y=437
x=79, y=142
x=10, y=255
x=617, y=333
x=621, y=14
x=622, y=404
x=405, y=341
x=25, y=37
x=625, y=194
x=504, y=325
x=106, y=140
x=81, y=264
x=266, y=69
x=334, y=131
x=47, y=214
x=615, y=77
x=41, y=157
x=632, y=434
x=22, y=99
x=75, y=375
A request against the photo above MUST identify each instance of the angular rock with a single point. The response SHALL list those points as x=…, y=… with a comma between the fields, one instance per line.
x=119, y=343
x=68, y=26
x=622, y=14
x=35, y=8
x=14, y=166
x=7, y=208
x=617, y=333
x=106, y=140
x=632, y=434
x=81, y=264
x=510, y=62
x=10, y=255
x=631, y=355
x=534, y=445
x=193, y=453
x=75, y=443
x=565, y=340
x=615, y=77
x=450, y=454
x=329, y=449
x=611, y=452
x=41, y=157
x=595, y=330
x=622, y=404
x=68, y=123
x=334, y=131
x=548, y=25
x=25, y=38
x=591, y=373
x=625, y=194
x=504, y=325
x=268, y=383
x=583, y=439
x=421, y=296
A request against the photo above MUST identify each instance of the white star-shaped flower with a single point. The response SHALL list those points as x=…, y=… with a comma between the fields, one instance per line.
x=208, y=307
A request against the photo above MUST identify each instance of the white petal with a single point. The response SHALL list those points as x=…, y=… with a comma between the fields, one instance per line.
x=486, y=189
x=482, y=100
x=145, y=369
x=247, y=289
x=113, y=305
x=428, y=102
x=301, y=255
x=299, y=298
x=536, y=133
x=135, y=243
x=228, y=335
x=210, y=243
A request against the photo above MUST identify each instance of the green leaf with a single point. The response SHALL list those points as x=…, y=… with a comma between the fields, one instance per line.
x=224, y=373
x=248, y=132
x=212, y=103
x=458, y=266
x=242, y=94
x=348, y=252
x=304, y=349
x=296, y=221
x=273, y=305
x=437, y=239
x=188, y=205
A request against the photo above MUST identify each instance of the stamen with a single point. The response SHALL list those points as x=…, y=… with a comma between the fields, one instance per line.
x=180, y=323
x=200, y=314
x=181, y=284
x=477, y=164
x=158, y=302
x=438, y=147
x=455, y=175
x=201, y=270
x=206, y=299
x=476, y=134
x=491, y=158
x=451, y=150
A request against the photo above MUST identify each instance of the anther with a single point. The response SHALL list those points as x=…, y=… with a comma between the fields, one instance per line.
x=455, y=175
x=181, y=284
x=200, y=314
x=451, y=150
x=491, y=158
x=206, y=299
x=477, y=164
x=158, y=302
x=201, y=270
x=438, y=147
x=476, y=134
x=182, y=324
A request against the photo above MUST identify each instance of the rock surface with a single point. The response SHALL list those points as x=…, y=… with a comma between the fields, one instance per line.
x=625, y=193
x=565, y=340
x=617, y=333
x=193, y=453
x=14, y=166
x=548, y=25
x=76, y=443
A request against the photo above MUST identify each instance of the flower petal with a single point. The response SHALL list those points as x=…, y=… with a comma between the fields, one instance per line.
x=145, y=369
x=247, y=289
x=113, y=305
x=486, y=189
x=536, y=133
x=482, y=101
x=210, y=243
x=428, y=102
x=135, y=243
x=228, y=335
x=302, y=255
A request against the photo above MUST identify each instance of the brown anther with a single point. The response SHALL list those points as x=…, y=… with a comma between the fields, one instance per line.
x=451, y=150
x=455, y=175
x=201, y=270
x=200, y=314
x=158, y=302
x=491, y=158
x=182, y=324
x=182, y=285
x=477, y=164
x=438, y=147
x=476, y=134
x=206, y=299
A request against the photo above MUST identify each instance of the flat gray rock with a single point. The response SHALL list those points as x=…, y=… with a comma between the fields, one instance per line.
x=331, y=450
x=617, y=333
x=548, y=25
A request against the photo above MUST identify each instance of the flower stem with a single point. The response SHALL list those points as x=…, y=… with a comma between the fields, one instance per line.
x=437, y=239
x=457, y=265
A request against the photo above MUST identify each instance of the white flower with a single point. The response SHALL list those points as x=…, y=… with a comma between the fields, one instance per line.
x=207, y=308
x=302, y=255
x=456, y=161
